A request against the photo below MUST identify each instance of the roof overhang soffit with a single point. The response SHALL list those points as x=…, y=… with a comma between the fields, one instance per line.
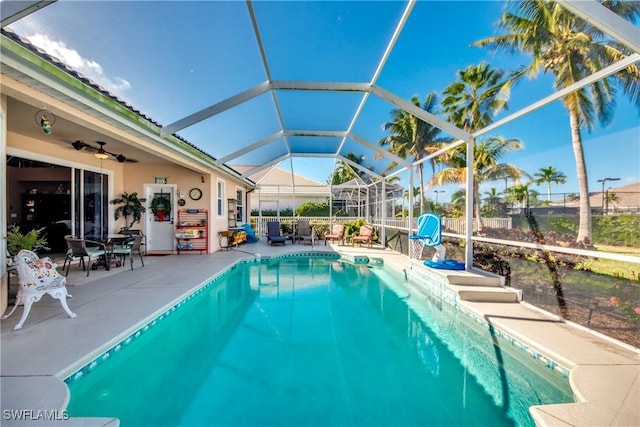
x=60, y=84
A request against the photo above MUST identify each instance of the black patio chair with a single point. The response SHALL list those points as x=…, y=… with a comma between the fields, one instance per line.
x=306, y=233
x=273, y=233
x=128, y=248
x=81, y=248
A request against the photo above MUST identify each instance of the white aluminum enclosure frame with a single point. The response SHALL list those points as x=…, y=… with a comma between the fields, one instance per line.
x=589, y=10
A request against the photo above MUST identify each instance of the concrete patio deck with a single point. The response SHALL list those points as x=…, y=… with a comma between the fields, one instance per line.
x=111, y=304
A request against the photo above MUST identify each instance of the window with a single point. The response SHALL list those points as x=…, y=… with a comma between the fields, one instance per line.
x=220, y=199
x=239, y=206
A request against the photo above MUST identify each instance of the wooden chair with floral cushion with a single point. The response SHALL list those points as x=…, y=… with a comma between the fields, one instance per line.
x=365, y=235
x=337, y=233
x=37, y=276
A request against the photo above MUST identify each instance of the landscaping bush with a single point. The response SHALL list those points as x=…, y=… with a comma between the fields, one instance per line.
x=313, y=209
x=272, y=212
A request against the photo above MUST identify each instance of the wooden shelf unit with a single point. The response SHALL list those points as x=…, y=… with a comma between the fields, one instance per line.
x=192, y=220
x=232, y=207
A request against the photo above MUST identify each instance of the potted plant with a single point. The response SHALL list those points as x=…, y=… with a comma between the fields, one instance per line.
x=31, y=241
x=161, y=207
x=130, y=205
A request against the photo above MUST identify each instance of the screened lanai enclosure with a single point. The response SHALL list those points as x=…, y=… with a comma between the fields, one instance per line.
x=404, y=95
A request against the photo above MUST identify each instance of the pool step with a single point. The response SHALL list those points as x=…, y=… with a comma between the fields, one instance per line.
x=479, y=286
x=487, y=294
x=470, y=278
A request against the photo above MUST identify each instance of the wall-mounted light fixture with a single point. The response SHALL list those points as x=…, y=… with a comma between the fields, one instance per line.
x=45, y=119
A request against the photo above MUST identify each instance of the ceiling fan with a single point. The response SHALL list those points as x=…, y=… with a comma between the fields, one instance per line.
x=100, y=152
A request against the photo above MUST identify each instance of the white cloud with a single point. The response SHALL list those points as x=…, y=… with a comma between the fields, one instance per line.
x=87, y=67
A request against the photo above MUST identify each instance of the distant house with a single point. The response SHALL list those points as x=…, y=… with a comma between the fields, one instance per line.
x=275, y=189
x=627, y=199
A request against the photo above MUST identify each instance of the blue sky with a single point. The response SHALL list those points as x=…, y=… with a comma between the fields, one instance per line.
x=171, y=59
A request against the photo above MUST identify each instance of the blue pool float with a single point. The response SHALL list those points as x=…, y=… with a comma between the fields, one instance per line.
x=251, y=235
x=447, y=264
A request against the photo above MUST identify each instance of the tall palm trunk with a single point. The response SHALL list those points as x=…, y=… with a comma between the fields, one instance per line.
x=476, y=206
x=421, y=179
x=584, y=230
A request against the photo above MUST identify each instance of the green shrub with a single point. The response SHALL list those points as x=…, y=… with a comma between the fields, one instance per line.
x=272, y=212
x=313, y=209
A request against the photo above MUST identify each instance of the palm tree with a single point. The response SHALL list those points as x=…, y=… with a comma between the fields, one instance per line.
x=492, y=205
x=570, y=49
x=473, y=101
x=416, y=197
x=611, y=198
x=549, y=175
x=519, y=193
x=455, y=208
x=492, y=197
x=412, y=137
x=344, y=172
x=486, y=166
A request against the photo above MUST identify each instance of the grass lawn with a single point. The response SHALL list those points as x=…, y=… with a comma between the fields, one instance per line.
x=627, y=270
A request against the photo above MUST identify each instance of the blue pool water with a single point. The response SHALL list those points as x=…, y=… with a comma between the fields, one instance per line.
x=314, y=342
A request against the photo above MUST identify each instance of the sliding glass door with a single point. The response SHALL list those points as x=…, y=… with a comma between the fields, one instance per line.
x=91, y=204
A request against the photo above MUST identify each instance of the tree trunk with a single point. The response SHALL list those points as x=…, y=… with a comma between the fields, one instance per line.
x=584, y=230
x=421, y=179
x=476, y=204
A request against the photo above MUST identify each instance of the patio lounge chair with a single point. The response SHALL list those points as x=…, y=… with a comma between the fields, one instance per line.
x=306, y=233
x=128, y=248
x=38, y=276
x=365, y=235
x=81, y=248
x=273, y=233
x=337, y=233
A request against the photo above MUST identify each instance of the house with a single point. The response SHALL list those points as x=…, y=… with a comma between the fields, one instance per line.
x=626, y=199
x=71, y=147
x=278, y=189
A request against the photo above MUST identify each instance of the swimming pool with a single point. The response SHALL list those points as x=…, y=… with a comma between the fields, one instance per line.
x=313, y=341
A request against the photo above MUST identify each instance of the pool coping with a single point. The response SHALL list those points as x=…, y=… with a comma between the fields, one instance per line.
x=605, y=393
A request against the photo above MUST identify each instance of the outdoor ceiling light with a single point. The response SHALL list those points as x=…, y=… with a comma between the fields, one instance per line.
x=101, y=154
x=45, y=119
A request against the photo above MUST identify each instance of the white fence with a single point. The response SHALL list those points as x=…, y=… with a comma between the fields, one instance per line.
x=453, y=225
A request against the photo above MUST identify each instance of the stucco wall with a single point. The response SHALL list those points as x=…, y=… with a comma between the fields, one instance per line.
x=124, y=177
